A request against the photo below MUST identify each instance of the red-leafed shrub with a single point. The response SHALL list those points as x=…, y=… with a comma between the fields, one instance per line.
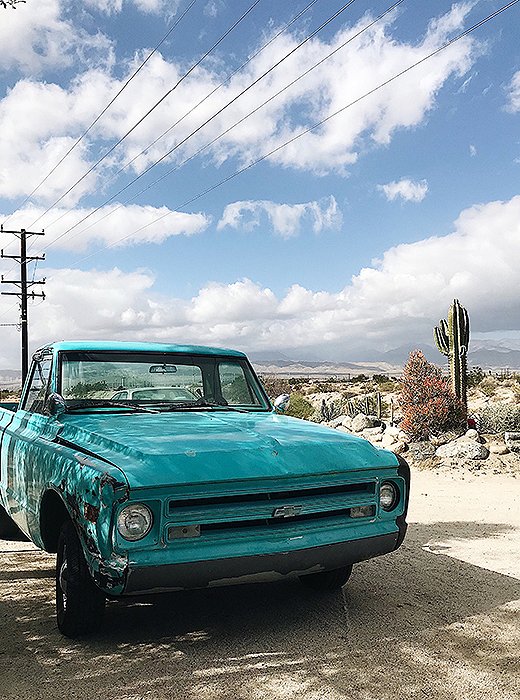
x=429, y=405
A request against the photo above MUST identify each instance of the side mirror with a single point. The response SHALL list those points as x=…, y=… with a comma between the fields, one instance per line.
x=281, y=402
x=55, y=405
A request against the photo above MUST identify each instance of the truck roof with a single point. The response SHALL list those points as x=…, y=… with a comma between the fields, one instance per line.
x=131, y=346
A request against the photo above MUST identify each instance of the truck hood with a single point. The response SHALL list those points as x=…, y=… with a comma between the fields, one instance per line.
x=204, y=446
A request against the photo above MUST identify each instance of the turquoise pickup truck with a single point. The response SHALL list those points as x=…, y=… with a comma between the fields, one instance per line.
x=149, y=467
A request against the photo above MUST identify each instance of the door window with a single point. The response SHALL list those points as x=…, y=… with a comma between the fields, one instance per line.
x=234, y=386
x=35, y=397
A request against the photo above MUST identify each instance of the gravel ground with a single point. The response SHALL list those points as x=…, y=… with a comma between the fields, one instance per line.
x=439, y=619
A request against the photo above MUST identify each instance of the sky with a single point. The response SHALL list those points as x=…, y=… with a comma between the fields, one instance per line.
x=330, y=177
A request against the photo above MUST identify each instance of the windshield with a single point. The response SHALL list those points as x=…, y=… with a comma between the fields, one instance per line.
x=164, y=381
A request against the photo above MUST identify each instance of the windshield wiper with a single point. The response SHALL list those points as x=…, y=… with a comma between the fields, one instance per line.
x=225, y=407
x=201, y=403
x=111, y=404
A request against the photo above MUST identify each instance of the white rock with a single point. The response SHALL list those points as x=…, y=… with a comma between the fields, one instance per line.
x=472, y=434
x=360, y=422
x=389, y=441
x=343, y=429
x=369, y=432
x=338, y=421
x=462, y=449
x=392, y=430
x=498, y=448
x=512, y=441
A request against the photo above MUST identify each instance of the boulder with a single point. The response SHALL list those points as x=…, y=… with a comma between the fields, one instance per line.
x=512, y=441
x=339, y=421
x=361, y=422
x=369, y=432
x=498, y=448
x=389, y=441
x=462, y=449
x=420, y=451
x=372, y=437
x=399, y=447
x=472, y=434
x=344, y=429
x=393, y=430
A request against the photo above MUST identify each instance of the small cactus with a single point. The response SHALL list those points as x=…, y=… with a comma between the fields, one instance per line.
x=452, y=339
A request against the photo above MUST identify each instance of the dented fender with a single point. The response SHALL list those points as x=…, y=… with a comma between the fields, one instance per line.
x=91, y=490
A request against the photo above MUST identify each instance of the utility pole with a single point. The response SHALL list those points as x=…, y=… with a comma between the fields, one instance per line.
x=24, y=294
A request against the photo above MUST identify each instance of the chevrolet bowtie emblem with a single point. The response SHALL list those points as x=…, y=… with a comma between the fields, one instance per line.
x=287, y=511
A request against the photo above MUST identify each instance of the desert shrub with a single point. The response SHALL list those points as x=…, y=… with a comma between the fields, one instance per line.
x=488, y=386
x=330, y=410
x=274, y=386
x=499, y=418
x=385, y=383
x=429, y=405
x=324, y=387
x=359, y=378
x=475, y=376
x=299, y=407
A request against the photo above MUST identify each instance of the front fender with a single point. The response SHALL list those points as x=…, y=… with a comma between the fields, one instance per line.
x=89, y=489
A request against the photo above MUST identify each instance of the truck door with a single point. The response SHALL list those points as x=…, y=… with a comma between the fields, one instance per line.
x=20, y=444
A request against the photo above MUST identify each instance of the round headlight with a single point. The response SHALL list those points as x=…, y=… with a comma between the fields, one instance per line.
x=135, y=521
x=388, y=496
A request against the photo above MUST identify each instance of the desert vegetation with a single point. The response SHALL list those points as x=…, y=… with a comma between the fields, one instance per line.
x=418, y=413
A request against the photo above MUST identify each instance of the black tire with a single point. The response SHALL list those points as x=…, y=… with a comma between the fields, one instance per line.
x=327, y=580
x=9, y=530
x=80, y=604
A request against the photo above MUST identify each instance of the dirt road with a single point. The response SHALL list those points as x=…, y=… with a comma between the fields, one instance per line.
x=438, y=619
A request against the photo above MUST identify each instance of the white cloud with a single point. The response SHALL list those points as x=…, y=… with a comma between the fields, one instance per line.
x=405, y=189
x=157, y=6
x=113, y=220
x=38, y=37
x=285, y=219
x=396, y=302
x=110, y=7
x=368, y=61
x=514, y=93
x=472, y=150
x=214, y=7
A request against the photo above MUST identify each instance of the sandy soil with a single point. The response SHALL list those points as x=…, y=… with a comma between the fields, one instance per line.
x=438, y=619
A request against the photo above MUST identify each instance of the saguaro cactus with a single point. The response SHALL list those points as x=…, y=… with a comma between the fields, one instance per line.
x=452, y=338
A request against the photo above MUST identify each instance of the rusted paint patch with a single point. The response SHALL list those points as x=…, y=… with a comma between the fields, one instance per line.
x=91, y=512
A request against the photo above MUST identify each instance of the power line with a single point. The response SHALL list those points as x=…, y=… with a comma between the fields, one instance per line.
x=210, y=94
x=315, y=126
x=216, y=114
x=186, y=114
x=210, y=143
x=147, y=114
x=105, y=109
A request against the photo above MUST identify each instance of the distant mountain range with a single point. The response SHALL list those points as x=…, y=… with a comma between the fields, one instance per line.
x=10, y=379
x=488, y=354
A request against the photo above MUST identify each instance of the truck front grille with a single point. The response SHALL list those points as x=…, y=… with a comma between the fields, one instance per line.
x=270, y=510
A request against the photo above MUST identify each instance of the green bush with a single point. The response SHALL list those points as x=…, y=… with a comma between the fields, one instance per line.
x=499, y=418
x=429, y=405
x=299, y=407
